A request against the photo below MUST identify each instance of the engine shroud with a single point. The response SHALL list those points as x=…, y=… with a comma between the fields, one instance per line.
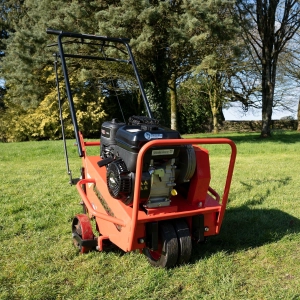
x=123, y=143
x=131, y=138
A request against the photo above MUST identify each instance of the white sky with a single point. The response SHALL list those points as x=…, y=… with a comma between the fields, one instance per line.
x=236, y=114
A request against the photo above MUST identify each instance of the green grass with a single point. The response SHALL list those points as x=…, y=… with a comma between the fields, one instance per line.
x=256, y=255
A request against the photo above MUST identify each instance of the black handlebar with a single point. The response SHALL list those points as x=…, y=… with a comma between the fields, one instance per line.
x=125, y=41
x=53, y=31
x=87, y=36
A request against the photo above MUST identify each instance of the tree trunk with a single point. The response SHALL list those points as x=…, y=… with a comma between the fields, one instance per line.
x=298, y=116
x=215, y=122
x=173, y=101
x=214, y=110
x=267, y=116
x=268, y=84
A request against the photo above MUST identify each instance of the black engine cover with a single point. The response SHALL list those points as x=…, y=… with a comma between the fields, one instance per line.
x=131, y=138
x=108, y=134
x=125, y=141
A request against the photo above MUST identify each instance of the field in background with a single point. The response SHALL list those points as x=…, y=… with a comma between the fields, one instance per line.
x=256, y=256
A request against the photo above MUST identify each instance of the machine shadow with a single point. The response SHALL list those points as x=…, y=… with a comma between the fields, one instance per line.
x=245, y=228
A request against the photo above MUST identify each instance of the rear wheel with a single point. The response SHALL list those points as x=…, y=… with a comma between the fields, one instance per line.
x=82, y=229
x=167, y=254
x=184, y=241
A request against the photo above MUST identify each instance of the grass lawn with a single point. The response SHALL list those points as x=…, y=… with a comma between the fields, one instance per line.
x=256, y=255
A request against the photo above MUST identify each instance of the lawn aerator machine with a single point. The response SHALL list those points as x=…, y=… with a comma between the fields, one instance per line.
x=148, y=188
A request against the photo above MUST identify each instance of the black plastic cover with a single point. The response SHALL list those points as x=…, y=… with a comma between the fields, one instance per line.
x=108, y=134
x=109, y=130
x=131, y=138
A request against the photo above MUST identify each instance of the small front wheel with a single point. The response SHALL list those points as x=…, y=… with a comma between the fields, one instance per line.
x=167, y=254
x=82, y=230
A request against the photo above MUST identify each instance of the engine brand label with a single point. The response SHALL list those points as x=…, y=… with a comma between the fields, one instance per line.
x=150, y=136
x=163, y=152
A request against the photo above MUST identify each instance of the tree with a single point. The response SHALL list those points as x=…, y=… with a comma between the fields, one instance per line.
x=160, y=44
x=169, y=39
x=298, y=116
x=268, y=26
x=194, y=113
x=291, y=66
x=27, y=56
x=217, y=71
x=28, y=72
x=222, y=52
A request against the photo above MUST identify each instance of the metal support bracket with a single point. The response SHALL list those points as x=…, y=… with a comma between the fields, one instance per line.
x=198, y=228
x=152, y=235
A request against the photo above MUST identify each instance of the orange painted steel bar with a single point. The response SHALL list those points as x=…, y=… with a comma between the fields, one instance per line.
x=173, y=142
x=89, y=206
x=92, y=143
x=84, y=144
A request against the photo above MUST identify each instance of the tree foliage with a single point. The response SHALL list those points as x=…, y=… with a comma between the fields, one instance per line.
x=193, y=106
x=170, y=39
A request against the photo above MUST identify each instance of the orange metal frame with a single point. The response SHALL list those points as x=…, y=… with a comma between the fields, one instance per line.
x=125, y=225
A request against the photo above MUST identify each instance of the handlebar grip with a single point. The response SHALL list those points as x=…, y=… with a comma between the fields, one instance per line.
x=53, y=31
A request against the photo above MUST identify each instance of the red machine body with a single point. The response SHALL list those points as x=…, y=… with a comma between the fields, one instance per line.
x=124, y=225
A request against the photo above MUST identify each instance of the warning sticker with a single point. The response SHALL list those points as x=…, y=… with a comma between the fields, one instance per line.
x=144, y=186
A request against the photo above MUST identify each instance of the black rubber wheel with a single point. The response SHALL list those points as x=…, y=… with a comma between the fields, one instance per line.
x=184, y=241
x=167, y=254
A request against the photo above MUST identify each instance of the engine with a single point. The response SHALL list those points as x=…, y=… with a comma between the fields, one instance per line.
x=163, y=167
